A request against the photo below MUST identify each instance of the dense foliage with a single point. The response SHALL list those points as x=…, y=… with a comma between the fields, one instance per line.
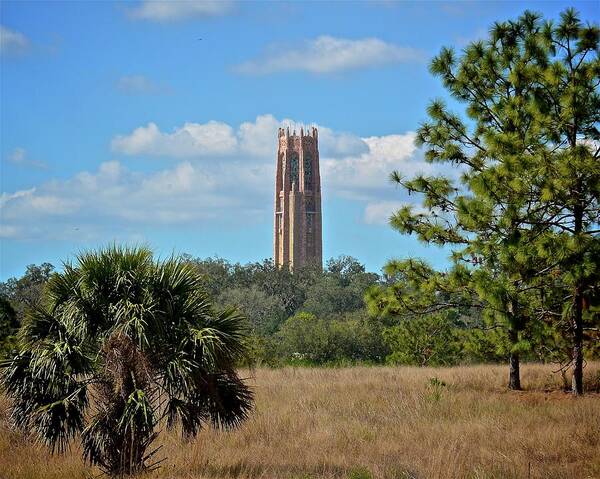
x=17, y=295
x=310, y=316
x=319, y=317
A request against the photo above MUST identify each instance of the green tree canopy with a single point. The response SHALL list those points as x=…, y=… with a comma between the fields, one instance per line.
x=25, y=292
x=264, y=312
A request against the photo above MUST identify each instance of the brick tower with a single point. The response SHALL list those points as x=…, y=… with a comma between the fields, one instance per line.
x=298, y=200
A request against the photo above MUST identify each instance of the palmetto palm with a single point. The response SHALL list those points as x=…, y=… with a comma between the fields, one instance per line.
x=121, y=343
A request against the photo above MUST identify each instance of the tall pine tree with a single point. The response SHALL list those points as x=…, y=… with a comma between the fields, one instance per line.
x=524, y=215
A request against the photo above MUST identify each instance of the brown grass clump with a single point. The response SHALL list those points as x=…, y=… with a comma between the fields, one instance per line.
x=379, y=422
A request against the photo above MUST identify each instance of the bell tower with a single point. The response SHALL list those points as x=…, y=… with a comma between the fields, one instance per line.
x=298, y=200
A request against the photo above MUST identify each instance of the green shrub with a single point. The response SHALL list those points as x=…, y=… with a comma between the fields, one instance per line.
x=425, y=341
x=304, y=338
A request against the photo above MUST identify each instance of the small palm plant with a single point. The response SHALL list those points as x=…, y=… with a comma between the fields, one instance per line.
x=120, y=343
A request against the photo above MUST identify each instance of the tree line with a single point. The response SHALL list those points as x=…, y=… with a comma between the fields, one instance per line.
x=338, y=315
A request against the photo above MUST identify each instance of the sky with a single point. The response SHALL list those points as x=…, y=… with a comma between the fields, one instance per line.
x=154, y=123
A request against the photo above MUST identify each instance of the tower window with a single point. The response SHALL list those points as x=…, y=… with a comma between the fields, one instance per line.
x=294, y=168
x=308, y=176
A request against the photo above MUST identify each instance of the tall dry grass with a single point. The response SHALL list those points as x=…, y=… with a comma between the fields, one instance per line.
x=379, y=422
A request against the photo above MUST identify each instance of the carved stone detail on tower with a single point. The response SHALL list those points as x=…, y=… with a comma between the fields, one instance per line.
x=298, y=234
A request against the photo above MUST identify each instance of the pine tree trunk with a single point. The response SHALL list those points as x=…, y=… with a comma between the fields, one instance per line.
x=514, y=376
x=577, y=325
x=577, y=318
x=514, y=379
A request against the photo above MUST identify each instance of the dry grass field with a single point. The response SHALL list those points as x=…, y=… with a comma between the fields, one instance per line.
x=379, y=422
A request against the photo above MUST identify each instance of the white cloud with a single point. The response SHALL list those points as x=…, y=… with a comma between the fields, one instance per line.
x=365, y=175
x=34, y=202
x=119, y=198
x=171, y=10
x=8, y=231
x=256, y=139
x=12, y=42
x=5, y=197
x=190, y=140
x=327, y=54
x=20, y=157
x=340, y=144
x=233, y=182
x=139, y=84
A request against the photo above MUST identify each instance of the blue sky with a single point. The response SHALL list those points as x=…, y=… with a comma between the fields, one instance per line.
x=117, y=123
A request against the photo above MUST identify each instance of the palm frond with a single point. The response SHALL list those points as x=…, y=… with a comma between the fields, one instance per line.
x=139, y=337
